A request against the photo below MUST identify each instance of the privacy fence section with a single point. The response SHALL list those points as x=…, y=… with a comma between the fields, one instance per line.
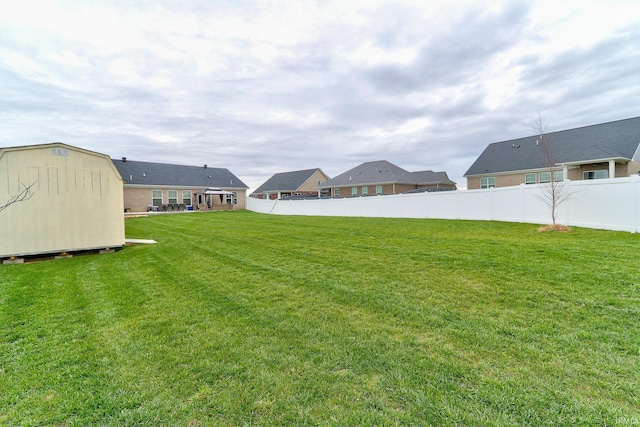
x=609, y=204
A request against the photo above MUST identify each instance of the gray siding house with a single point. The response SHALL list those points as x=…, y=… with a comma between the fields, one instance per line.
x=605, y=150
x=383, y=177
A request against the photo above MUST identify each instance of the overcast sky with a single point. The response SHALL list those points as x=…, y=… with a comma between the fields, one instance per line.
x=273, y=86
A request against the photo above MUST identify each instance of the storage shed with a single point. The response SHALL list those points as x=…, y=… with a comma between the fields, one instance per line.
x=75, y=201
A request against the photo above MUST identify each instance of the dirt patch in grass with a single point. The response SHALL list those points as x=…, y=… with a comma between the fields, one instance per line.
x=556, y=227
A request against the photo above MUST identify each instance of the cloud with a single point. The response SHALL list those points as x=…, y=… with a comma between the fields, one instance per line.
x=452, y=55
x=265, y=87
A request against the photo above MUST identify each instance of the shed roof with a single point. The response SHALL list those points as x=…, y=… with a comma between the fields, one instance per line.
x=287, y=181
x=618, y=140
x=62, y=146
x=146, y=173
x=385, y=172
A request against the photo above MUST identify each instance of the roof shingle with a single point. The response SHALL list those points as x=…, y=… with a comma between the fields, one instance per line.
x=146, y=173
x=384, y=172
x=286, y=181
x=613, y=140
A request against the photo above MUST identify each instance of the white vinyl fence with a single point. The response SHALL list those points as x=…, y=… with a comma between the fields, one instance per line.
x=609, y=204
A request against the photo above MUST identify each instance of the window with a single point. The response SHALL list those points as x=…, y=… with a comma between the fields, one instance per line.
x=59, y=152
x=233, y=198
x=530, y=178
x=601, y=174
x=172, y=195
x=378, y=189
x=354, y=191
x=336, y=191
x=365, y=191
x=488, y=182
x=156, y=197
x=545, y=177
x=558, y=176
x=186, y=197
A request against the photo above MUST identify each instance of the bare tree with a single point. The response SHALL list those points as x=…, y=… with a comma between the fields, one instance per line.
x=554, y=191
x=22, y=196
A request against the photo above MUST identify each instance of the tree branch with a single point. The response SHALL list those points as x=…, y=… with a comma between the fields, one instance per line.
x=553, y=193
x=22, y=196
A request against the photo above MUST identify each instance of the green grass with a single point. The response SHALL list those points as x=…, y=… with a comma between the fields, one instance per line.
x=236, y=318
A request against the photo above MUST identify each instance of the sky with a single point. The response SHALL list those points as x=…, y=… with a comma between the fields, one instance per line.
x=262, y=87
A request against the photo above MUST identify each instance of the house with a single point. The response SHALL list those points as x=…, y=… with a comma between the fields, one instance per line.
x=160, y=186
x=73, y=202
x=605, y=150
x=295, y=183
x=382, y=177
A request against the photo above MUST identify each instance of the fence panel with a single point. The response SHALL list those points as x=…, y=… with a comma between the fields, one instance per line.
x=609, y=204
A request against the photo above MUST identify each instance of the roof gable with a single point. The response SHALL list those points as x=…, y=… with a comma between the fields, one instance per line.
x=146, y=173
x=612, y=140
x=375, y=172
x=62, y=146
x=385, y=172
x=431, y=177
x=286, y=181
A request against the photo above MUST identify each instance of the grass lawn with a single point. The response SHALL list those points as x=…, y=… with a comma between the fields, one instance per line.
x=236, y=318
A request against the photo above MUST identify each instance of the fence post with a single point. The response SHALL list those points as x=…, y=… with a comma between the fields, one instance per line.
x=492, y=204
x=635, y=194
x=522, y=195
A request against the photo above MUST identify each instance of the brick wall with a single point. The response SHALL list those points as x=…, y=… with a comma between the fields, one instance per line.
x=138, y=199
